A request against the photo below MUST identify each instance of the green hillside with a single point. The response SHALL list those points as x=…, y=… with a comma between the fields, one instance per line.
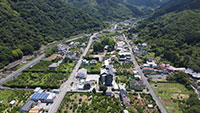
x=25, y=25
x=177, y=6
x=147, y=3
x=174, y=37
x=107, y=9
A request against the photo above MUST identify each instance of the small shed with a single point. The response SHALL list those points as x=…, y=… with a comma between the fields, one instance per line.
x=34, y=110
x=13, y=102
x=53, y=66
x=109, y=92
x=85, y=62
x=57, y=91
x=150, y=106
x=125, y=111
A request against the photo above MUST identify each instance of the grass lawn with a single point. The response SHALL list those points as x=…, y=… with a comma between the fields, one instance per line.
x=20, y=96
x=82, y=103
x=169, y=93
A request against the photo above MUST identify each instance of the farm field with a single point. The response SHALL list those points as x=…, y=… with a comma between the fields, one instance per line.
x=32, y=80
x=40, y=76
x=139, y=103
x=90, y=103
x=170, y=93
x=6, y=96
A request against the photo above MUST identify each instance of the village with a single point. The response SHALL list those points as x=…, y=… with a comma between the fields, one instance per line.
x=95, y=70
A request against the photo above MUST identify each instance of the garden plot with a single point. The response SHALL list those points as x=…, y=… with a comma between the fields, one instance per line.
x=90, y=103
x=140, y=102
x=6, y=96
x=170, y=94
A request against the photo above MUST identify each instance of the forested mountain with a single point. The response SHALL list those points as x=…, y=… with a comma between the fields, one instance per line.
x=174, y=37
x=107, y=9
x=25, y=25
x=177, y=6
x=117, y=9
x=147, y=3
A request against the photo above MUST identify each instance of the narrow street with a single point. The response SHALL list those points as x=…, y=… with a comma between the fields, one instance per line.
x=65, y=86
x=155, y=97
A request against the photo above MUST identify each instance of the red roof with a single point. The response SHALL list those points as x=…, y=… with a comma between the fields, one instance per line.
x=147, y=68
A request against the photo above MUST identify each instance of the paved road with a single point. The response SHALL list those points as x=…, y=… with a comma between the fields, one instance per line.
x=35, y=61
x=16, y=73
x=65, y=87
x=155, y=97
x=8, y=88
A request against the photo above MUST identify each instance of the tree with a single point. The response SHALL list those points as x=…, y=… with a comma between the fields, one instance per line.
x=94, y=90
x=17, y=53
x=103, y=88
x=28, y=49
x=98, y=47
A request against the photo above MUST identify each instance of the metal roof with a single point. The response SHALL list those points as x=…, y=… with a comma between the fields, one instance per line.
x=38, y=96
x=27, y=106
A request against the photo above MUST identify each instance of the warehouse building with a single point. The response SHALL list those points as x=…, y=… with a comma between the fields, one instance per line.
x=43, y=97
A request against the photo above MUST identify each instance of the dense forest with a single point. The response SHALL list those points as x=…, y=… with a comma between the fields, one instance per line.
x=117, y=9
x=146, y=3
x=107, y=9
x=177, y=6
x=25, y=25
x=175, y=37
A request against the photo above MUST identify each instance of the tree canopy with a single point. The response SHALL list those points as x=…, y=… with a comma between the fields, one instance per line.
x=26, y=25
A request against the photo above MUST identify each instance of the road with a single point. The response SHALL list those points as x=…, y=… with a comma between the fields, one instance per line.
x=35, y=61
x=65, y=87
x=16, y=73
x=155, y=97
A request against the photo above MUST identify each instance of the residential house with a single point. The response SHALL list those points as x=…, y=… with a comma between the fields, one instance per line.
x=106, y=76
x=83, y=45
x=171, y=68
x=124, y=97
x=85, y=62
x=147, y=69
x=82, y=73
x=27, y=106
x=137, y=85
x=93, y=61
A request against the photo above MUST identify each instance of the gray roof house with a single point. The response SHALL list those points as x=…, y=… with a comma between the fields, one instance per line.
x=124, y=97
x=82, y=73
x=27, y=106
x=137, y=85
